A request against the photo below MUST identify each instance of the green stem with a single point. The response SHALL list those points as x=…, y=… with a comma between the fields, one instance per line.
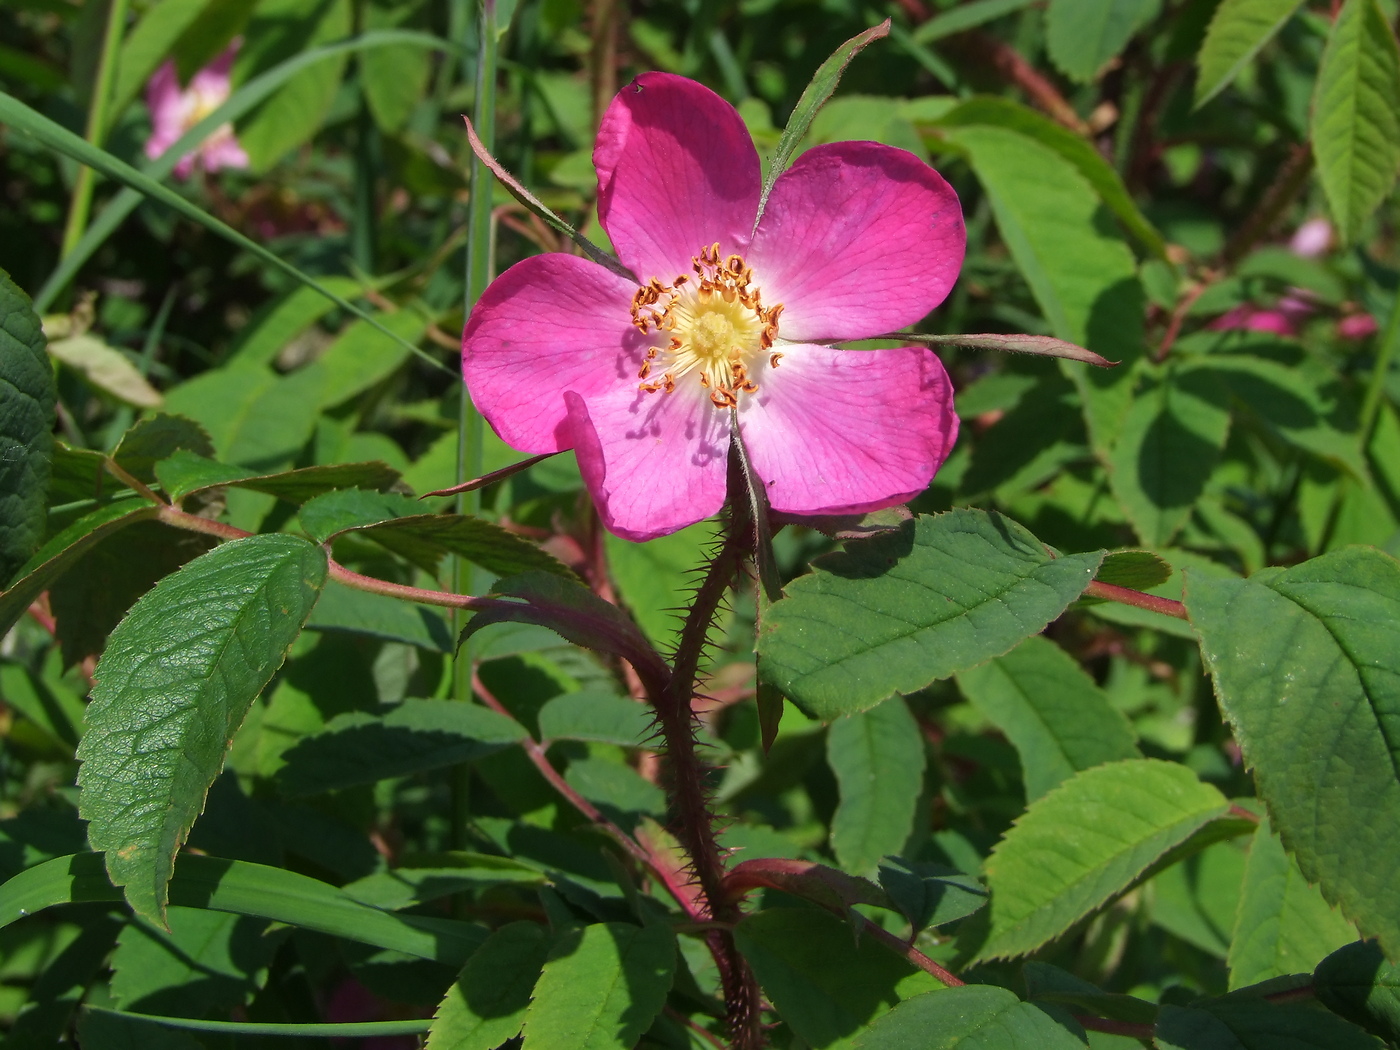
x=1385, y=357
x=81, y=204
x=468, y=578
x=316, y=1030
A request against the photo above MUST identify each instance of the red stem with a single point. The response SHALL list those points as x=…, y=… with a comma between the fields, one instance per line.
x=1127, y=596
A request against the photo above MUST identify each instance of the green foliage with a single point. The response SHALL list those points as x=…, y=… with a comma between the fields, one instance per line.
x=1059, y=720
x=1001, y=743
x=158, y=728
x=900, y=610
x=878, y=759
x=1356, y=114
x=26, y=434
x=1297, y=656
x=1087, y=841
x=601, y=986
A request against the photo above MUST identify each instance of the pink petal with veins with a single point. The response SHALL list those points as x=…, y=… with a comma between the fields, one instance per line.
x=845, y=431
x=857, y=240
x=550, y=324
x=677, y=172
x=654, y=463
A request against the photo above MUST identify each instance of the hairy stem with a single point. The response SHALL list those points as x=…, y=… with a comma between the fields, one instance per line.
x=1127, y=596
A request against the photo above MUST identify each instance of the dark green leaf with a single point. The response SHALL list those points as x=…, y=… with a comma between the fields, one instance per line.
x=595, y=715
x=1250, y=1024
x=650, y=576
x=185, y=473
x=1283, y=925
x=1058, y=718
x=1138, y=570
x=1170, y=442
x=602, y=987
x=1051, y=984
x=26, y=428
x=343, y=608
x=88, y=604
x=930, y=894
x=1238, y=29
x=434, y=876
x=246, y=889
x=902, y=609
x=973, y=1017
x=416, y=735
x=1083, y=36
x=823, y=982
x=1360, y=984
x=1086, y=841
x=177, y=677
x=209, y=960
x=486, y=1006
x=152, y=440
x=1356, y=114
x=878, y=759
x=62, y=551
x=1303, y=666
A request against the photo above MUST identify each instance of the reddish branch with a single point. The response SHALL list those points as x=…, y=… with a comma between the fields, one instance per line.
x=1127, y=596
x=1013, y=68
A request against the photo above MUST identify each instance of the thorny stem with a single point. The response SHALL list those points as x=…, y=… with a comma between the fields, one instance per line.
x=1279, y=196
x=694, y=819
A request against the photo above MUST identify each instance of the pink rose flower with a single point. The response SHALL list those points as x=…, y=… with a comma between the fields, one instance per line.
x=175, y=110
x=856, y=240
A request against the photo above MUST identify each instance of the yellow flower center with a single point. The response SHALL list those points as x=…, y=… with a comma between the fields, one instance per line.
x=716, y=326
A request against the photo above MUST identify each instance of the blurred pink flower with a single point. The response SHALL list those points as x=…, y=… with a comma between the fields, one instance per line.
x=175, y=110
x=1357, y=326
x=856, y=240
x=1311, y=239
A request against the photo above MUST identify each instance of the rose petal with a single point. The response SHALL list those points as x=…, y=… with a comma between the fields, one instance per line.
x=843, y=431
x=549, y=324
x=677, y=172
x=654, y=463
x=164, y=101
x=857, y=239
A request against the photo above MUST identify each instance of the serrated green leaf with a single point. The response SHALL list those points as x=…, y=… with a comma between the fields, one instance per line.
x=930, y=894
x=486, y=1005
x=602, y=987
x=185, y=473
x=902, y=609
x=1359, y=984
x=1303, y=662
x=398, y=523
x=246, y=889
x=824, y=983
x=1086, y=841
x=63, y=551
x=274, y=327
x=1051, y=710
x=1237, y=32
x=1356, y=114
x=878, y=758
x=343, y=608
x=595, y=715
x=973, y=1017
x=1251, y=1024
x=173, y=685
x=26, y=429
x=393, y=78
x=410, y=737
x=152, y=440
x=1283, y=925
x=1170, y=441
x=814, y=96
x=1083, y=36
x=1051, y=984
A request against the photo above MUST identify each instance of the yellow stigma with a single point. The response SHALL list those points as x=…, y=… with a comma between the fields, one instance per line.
x=716, y=326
